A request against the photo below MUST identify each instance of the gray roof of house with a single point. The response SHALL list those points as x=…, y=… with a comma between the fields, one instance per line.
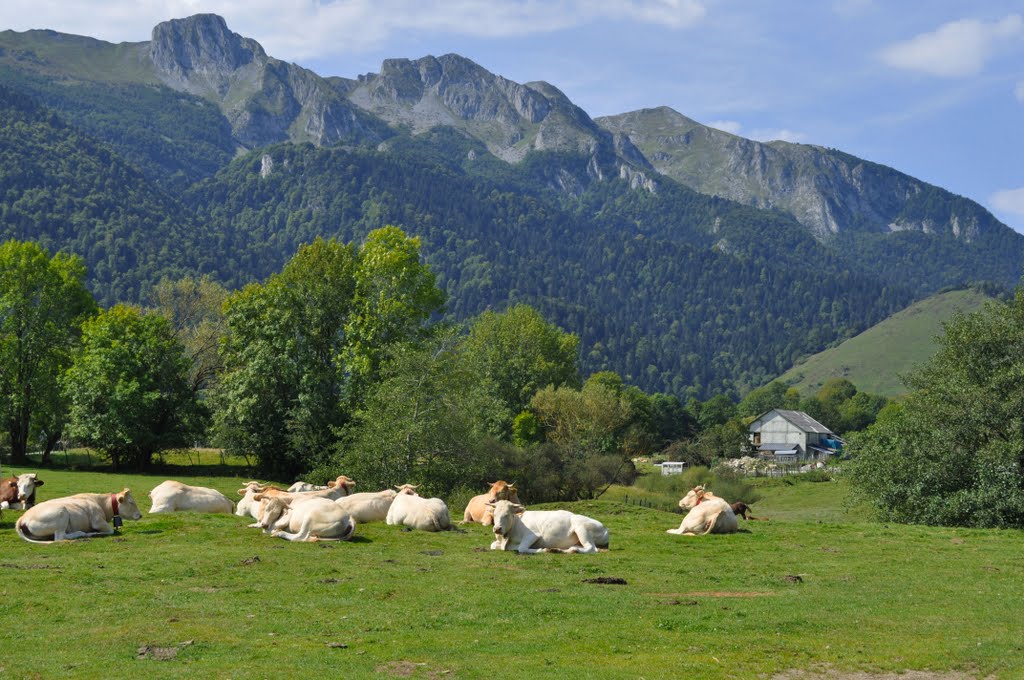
x=800, y=419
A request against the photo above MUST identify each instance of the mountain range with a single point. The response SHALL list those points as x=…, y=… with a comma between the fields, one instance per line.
x=688, y=259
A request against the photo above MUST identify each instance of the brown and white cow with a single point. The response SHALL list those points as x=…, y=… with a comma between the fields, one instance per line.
x=478, y=510
x=20, y=490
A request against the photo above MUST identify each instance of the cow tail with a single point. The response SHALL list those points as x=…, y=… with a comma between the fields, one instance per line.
x=711, y=523
x=25, y=535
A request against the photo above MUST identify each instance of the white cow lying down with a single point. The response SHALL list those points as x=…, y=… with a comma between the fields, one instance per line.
x=171, y=496
x=368, y=507
x=708, y=514
x=412, y=510
x=309, y=519
x=78, y=516
x=534, y=531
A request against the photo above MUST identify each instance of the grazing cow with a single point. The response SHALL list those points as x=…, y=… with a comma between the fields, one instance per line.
x=78, y=516
x=477, y=509
x=301, y=486
x=516, y=528
x=310, y=519
x=412, y=510
x=368, y=507
x=20, y=490
x=171, y=496
x=708, y=514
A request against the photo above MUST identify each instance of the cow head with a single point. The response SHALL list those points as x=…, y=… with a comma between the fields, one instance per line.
x=342, y=482
x=502, y=491
x=126, y=506
x=27, y=485
x=694, y=497
x=271, y=510
x=505, y=515
x=408, y=489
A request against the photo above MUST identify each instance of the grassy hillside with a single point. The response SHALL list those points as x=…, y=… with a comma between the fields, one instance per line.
x=221, y=600
x=874, y=360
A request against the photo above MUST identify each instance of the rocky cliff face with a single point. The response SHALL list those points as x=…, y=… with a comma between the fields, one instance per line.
x=827, y=191
x=264, y=99
x=510, y=118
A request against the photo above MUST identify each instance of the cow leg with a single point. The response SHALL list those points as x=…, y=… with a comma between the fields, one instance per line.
x=302, y=535
x=529, y=538
x=4, y=505
x=710, y=524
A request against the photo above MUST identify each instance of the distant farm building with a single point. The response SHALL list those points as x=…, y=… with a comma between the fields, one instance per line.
x=792, y=437
x=673, y=467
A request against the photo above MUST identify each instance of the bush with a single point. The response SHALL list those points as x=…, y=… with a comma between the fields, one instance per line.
x=724, y=484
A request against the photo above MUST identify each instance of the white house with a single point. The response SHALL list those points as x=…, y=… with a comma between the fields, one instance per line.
x=792, y=436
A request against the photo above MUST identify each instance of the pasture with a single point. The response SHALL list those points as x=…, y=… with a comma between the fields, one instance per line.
x=817, y=589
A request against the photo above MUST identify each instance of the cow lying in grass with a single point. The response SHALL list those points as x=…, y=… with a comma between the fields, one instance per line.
x=534, y=531
x=477, y=509
x=368, y=507
x=708, y=514
x=309, y=519
x=20, y=490
x=412, y=510
x=249, y=507
x=172, y=496
x=79, y=516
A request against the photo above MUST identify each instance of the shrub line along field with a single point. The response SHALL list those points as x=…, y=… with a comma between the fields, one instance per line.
x=816, y=589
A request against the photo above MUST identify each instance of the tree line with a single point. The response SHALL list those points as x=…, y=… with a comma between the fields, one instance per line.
x=342, y=361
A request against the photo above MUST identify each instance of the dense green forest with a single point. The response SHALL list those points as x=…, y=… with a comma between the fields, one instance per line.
x=676, y=291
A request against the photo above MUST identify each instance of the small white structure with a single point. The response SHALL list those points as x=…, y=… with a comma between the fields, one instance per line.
x=673, y=467
x=791, y=436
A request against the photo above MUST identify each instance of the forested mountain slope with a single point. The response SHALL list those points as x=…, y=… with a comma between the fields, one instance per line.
x=60, y=187
x=198, y=152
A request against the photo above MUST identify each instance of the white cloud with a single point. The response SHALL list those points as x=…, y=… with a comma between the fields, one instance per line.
x=1009, y=200
x=730, y=126
x=1019, y=91
x=783, y=135
x=956, y=49
x=321, y=28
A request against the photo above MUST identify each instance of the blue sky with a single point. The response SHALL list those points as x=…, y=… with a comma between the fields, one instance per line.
x=934, y=88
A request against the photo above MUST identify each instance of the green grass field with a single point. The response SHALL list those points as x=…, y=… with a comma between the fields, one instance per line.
x=874, y=360
x=816, y=589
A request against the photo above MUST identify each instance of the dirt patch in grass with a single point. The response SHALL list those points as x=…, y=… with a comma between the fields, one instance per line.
x=407, y=669
x=830, y=674
x=715, y=593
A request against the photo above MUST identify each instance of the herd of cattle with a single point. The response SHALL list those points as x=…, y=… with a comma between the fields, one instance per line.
x=305, y=512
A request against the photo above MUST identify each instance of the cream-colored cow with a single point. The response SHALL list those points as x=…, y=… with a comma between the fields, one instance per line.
x=708, y=514
x=477, y=509
x=78, y=516
x=172, y=496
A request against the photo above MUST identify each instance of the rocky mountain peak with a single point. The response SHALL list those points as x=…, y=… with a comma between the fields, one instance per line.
x=201, y=45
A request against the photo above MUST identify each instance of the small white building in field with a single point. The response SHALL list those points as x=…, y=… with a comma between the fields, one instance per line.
x=791, y=437
x=673, y=467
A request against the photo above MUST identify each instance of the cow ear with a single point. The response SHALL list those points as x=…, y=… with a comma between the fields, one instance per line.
x=258, y=497
x=39, y=482
x=331, y=484
x=518, y=509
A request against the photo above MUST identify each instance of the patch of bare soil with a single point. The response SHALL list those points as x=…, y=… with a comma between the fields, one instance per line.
x=715, y=593
x=830, y=674
x=407, y=669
